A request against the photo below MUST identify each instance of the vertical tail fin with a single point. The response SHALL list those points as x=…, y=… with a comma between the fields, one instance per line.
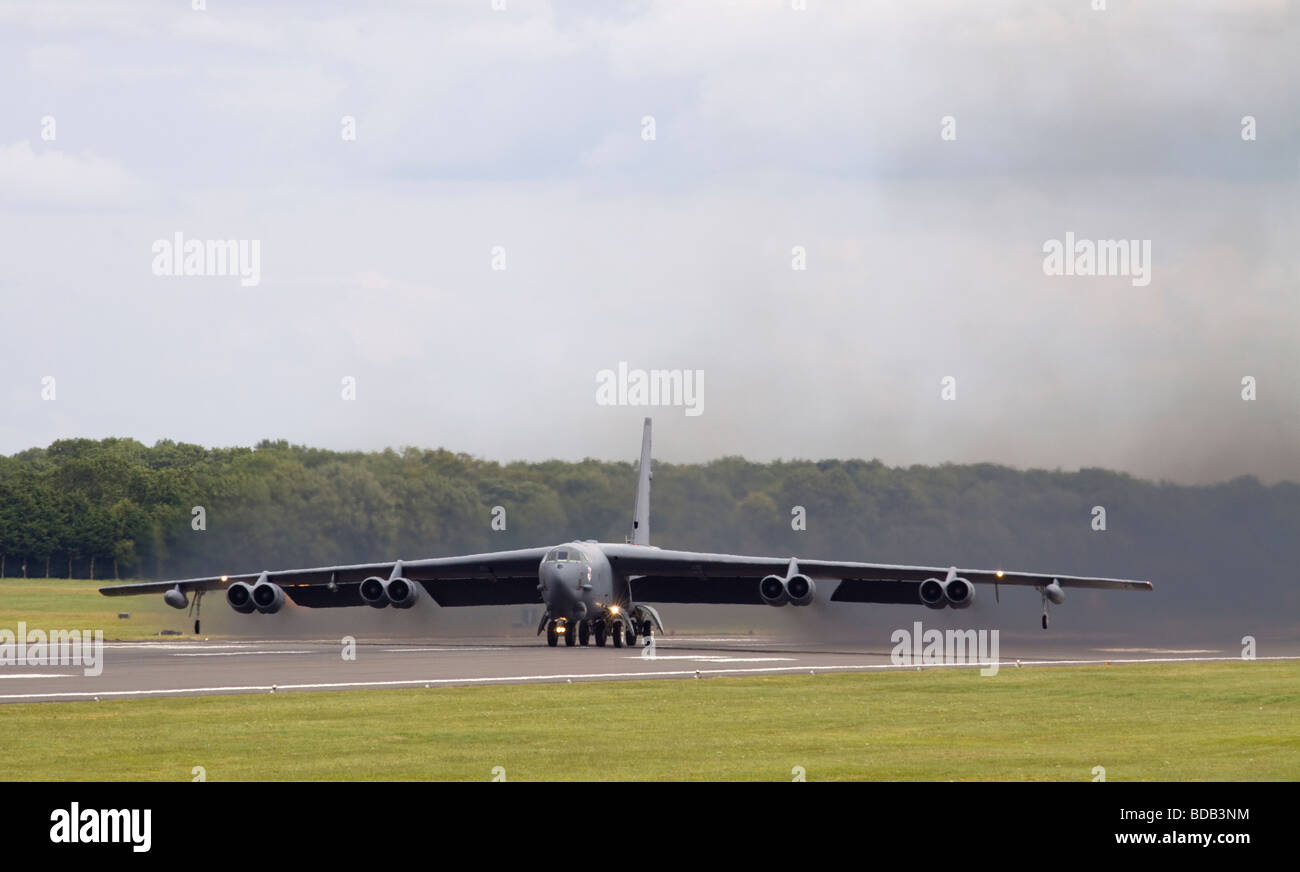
x=641, y=510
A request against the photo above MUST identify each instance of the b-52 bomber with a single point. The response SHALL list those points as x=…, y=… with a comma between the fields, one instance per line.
x=605, y=591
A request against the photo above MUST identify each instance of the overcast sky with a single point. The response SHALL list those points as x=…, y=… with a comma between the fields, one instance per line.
x=774, y=127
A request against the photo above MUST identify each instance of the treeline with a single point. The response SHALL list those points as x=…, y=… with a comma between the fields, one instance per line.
x=117, y=508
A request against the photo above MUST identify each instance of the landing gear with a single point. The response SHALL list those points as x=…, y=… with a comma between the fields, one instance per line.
x=570, y=637
x=196, y=607
x=552, y=637
x=642, y=622
x=1044, y=620
x=616, y=630
x=600, y=631
x=1044, y=611
x=584, y=632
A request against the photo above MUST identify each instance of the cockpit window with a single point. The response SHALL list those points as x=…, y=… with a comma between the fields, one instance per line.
x=569, y=555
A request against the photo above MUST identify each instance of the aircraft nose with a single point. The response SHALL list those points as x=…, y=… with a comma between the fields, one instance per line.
x=573, y=577
x=560, y=583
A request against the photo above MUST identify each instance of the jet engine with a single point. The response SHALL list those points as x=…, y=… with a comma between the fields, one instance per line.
x=801, y=590
x=959, y=592
x=402, y=592
x=268, y=597
x=932, y=594
x=373, y=592
x=240, y=597
x=772, y=591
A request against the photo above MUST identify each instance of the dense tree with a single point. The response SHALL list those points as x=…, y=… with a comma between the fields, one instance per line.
x=83, y=507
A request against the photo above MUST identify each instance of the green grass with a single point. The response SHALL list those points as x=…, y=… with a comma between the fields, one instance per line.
x=76, y=603
x=1229, y=721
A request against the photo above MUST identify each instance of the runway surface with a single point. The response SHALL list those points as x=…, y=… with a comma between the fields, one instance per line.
x=197, y=667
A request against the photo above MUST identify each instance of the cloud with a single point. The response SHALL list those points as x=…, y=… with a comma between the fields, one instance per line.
x=775, y=128
x=52, y=178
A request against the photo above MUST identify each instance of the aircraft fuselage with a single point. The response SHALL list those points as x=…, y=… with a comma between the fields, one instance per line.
x=576, y=581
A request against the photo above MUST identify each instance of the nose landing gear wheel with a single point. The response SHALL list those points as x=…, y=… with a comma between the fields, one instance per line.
x=552, y=637
x=599, y=630
x=617, y=632
x=584, y=632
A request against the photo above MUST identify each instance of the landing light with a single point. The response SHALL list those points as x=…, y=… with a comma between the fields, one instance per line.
x=998, y=573
x=225, y=578
x=560, y=630
x=613, y=610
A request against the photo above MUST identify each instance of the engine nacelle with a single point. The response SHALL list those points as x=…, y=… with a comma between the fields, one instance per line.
x=1054, y=592
x=801, y=590
x=373, y=592
x=772, y=591
x=401, y=592
x=268, y=597
x=932, y=594
x=240, y=597
x=175, y=598
x=959, y=592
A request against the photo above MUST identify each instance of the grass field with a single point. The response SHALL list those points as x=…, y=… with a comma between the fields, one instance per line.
x=1179, y=721
x=76, y=603
x=1229, y=721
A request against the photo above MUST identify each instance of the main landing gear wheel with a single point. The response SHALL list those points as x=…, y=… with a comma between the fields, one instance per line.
x=599, y=630
x=1044, y=620
x=552, y=637
x=631, y=634
x=570, y=637
x=584, y=632
x=646, y=628
x=617, y=632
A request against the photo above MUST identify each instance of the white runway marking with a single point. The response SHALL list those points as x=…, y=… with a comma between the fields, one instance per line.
x=1160, y=650
x=687, y=641
x=38, y=675
x=674, y=673
x=178, y=646
x=236, y=653
x=405, y=650
x=710, y=658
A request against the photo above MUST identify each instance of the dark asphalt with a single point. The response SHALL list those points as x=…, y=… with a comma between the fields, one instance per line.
x=216, y=666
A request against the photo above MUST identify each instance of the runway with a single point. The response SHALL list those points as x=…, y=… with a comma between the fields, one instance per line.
x=194, y=668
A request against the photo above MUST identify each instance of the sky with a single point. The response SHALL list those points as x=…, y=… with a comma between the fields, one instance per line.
x=464, y=214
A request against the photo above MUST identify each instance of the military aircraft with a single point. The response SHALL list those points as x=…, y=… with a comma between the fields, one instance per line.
x=606, y=591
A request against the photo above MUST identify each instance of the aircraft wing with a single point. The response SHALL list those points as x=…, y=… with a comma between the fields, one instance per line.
x=500, y=578
x=694, y=577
